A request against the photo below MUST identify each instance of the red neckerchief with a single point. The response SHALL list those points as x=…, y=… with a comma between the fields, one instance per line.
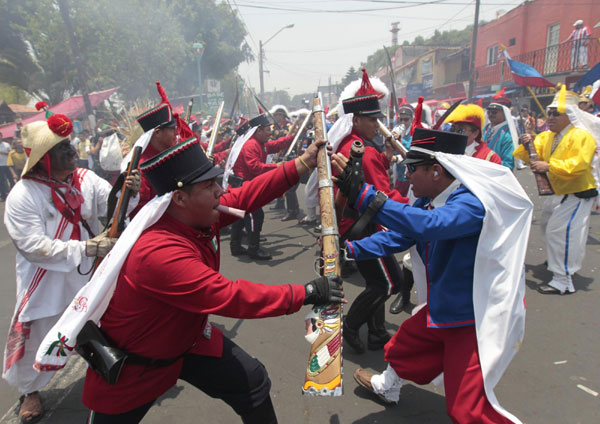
x=70, y=207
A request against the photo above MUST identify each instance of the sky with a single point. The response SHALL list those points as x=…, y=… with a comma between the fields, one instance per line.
x=329, y=37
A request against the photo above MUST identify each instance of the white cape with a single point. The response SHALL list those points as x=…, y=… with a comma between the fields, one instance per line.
x=499, y=274
x=92, y=299
x=235, y=152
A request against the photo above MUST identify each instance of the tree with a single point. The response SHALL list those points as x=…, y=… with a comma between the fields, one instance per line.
x=130, y=44
x=351, y=75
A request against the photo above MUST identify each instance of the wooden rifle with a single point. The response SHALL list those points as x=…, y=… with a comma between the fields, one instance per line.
x=323, y=325
x=542, y=181
x=120, y=214
x=396, y=144
x=188, y=112
x=215, y=130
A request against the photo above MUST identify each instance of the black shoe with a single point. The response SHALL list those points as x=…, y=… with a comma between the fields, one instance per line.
x=259, y=254
x=352, y=339
x=400, y=303
x=238, y=251
x=378, y=341
x=289, y=217
x=306, y=221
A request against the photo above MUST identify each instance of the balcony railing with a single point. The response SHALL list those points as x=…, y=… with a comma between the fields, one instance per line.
x=553, y=60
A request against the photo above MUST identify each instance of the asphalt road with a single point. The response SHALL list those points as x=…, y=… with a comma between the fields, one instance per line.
x=555, y=378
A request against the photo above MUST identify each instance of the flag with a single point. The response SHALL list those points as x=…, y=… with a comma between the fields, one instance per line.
x=595, y=95
x=592, y=76
x=526, y=75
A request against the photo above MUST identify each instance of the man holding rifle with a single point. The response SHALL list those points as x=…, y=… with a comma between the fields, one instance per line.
x=566, y=152
x=249, y=165
x=169, y=283
x=52, y=218
x=382, y=275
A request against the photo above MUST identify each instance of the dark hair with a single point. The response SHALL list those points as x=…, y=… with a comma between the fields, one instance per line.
x=435, y=162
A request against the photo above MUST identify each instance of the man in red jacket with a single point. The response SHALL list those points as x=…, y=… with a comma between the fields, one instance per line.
x=382, y=275
x=249, y=165
x=170, y=282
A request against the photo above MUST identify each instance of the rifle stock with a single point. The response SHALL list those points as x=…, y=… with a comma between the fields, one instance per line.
x=542, y=181
x=323, y=325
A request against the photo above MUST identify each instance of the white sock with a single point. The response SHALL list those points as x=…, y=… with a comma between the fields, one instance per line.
x=387, y=384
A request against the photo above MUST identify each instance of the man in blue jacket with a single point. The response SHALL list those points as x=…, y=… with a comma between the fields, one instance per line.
x=444, y=224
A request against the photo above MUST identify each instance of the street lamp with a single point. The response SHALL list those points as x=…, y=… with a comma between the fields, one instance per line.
x=199, y=50
x=261, y=58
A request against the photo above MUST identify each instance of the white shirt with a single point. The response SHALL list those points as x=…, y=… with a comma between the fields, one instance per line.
x=47, y=259
x=4, y=149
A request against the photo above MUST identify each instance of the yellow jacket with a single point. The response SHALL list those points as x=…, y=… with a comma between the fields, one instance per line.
x=570, y=164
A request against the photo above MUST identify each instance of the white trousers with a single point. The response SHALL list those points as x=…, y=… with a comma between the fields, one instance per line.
x=21, y=374
x=565, y=225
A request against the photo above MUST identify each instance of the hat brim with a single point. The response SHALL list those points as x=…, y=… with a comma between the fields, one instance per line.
x=214, y=172
x=377, y=115
x=415, y=160
x=171, y=124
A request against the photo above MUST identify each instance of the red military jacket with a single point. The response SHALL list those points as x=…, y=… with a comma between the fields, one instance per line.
x=251, y=160
x=482, y=151
x=375, y=165
x=168, y=285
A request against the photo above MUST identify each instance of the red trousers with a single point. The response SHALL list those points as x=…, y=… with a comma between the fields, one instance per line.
x=420, y=354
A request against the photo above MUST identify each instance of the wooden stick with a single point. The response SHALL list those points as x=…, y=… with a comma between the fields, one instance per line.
x=537, y=102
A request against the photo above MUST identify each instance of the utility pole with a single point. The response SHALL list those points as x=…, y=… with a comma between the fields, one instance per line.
x=64, y=10
x=260, y=70
x=473, y=50
x=394, y=32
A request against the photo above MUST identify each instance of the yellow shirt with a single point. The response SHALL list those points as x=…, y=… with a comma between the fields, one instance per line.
x=570, y=164
x=82, y=148
x=17, y=160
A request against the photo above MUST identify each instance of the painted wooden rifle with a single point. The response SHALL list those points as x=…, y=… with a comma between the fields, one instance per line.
x=396, y=144
x=542, y=181
x=188, y=112
x=323, y=323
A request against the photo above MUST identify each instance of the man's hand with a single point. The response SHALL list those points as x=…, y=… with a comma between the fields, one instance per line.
x=351, y=178
x=99, y=246
x=134, y=181
x=526, y=138
x=310, y=154
x=323, y=291
x=540, y=167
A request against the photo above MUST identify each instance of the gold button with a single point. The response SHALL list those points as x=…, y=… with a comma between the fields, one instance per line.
x=179, y=184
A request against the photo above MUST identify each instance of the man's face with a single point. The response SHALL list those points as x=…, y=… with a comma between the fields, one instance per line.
x=201, y=203
x=496, y=116
x=466, y=129
x=524, y=112
x=63, y=157
x=586, y=107
x=557, y=121
x=405, y=119
x=366, y=126
x=279, y=117
x=18, y=146
x=262, y=134
x=165, y=136
x=421, y=179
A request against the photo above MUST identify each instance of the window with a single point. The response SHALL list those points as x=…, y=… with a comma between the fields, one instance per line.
x=492, y=55
x=512, y=42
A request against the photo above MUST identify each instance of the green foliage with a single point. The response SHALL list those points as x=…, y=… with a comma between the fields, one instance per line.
x=453, y=37
x=13, y=95
x=351, y=75
x=129, y=44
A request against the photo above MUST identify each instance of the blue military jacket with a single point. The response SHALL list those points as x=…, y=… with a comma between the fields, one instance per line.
x=446, y=238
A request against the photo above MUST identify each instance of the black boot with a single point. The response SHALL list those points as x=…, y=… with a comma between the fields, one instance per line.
x=254, y=249
x=378, y=335
x=279, y=204
x=262, y=414
x=352, y=339
x=402, y=301
x=235, y=243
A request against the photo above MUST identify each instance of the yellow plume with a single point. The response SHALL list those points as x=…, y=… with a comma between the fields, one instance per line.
x=562, y=99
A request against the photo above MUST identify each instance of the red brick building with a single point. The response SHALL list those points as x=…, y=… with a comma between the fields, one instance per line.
x=535, y=33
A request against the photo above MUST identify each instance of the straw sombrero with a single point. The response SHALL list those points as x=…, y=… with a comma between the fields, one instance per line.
x=41, y=136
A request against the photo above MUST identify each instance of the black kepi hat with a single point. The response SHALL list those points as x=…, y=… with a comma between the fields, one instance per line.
x=160, y=116
x=365, y=102
x=261, y=120
x=243, y=126
x=183, y=164
x=426, y=142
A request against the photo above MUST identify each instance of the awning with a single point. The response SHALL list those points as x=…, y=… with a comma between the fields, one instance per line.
x=72, y=107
